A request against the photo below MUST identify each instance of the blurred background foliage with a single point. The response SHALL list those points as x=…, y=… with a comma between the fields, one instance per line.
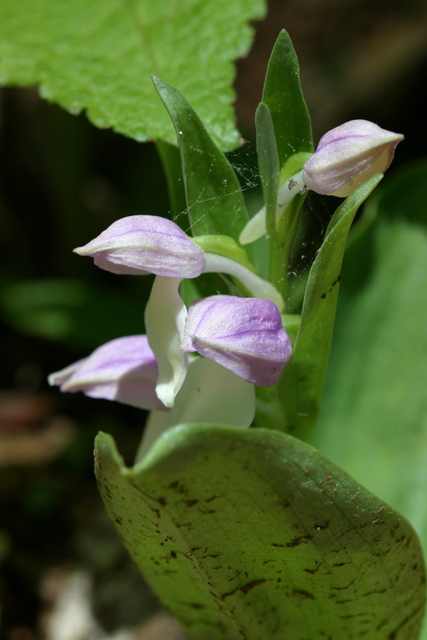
x=63, y=181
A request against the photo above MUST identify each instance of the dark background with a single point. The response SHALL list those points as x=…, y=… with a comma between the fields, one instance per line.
x=62, y=182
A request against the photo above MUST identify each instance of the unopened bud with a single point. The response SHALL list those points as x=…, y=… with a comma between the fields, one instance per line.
x=349, y=155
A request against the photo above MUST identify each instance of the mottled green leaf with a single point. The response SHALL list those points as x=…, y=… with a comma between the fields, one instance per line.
x=98, y=56
x=300, y=387
x=254, y=535
x=283, y=96
x=376, y=379
x=215, y=204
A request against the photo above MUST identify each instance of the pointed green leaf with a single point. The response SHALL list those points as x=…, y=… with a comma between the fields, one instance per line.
x=268, y=161
x=215, y=204
x=171, y=161
x=283, y=96
x=253, y=535
x=376, y=378
x=98, y=56
x=301, y=385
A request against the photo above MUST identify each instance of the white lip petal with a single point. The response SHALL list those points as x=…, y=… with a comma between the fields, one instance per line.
x=214, y=395
x=165, y=316
x=197, y=403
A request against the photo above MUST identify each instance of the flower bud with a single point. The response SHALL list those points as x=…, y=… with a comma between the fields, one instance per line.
x=137, y=245
x=349, y=155
x=244, y=335
x=124, y=370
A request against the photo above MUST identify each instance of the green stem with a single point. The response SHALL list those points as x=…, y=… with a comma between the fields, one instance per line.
x=280, y=229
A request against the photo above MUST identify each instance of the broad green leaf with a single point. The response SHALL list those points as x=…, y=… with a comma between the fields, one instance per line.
x=301, y=385
x=283, y=96
x=254, y=535
x=376, y=379
x=215, y=203
x=98, y=56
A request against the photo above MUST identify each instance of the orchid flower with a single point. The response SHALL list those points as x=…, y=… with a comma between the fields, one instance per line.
x=349, y=155
x=149, y=244
x=124, y=370
x=244, y=335
x=345, y=157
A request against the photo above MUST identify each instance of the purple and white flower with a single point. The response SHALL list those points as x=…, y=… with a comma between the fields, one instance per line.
x=137, y=245
x=124, y=370
x=345, y=158
x=349, y=155
x=150, y=244
x=242, y=339
x=244, y=335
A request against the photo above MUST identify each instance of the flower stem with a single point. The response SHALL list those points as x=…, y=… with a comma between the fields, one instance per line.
x=280, y=229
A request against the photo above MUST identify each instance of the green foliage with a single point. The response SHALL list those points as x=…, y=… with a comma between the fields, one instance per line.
x=300, y=387
x=215, y=203
x=98, y=56
x=268, y=162
x=376, y=380
x=283, y=96
x=69, y=311
x=253, y=534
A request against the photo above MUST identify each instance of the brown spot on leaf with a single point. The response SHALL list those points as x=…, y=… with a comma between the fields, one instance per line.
x=300, y=592
x=297, y=541
x=245, y=589
x=288, y=502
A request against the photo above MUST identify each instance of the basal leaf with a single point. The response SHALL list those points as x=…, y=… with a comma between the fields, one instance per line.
x=376, y=378
x=98, y=56
x=283, y=96
x=215, y=204
x=301, y=385
x=254, y=535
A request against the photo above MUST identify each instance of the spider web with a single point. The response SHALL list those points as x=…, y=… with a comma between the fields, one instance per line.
x=313, y=220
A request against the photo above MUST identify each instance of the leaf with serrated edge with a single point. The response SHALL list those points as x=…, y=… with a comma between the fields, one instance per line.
x=249, y=535
x=98, y=56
